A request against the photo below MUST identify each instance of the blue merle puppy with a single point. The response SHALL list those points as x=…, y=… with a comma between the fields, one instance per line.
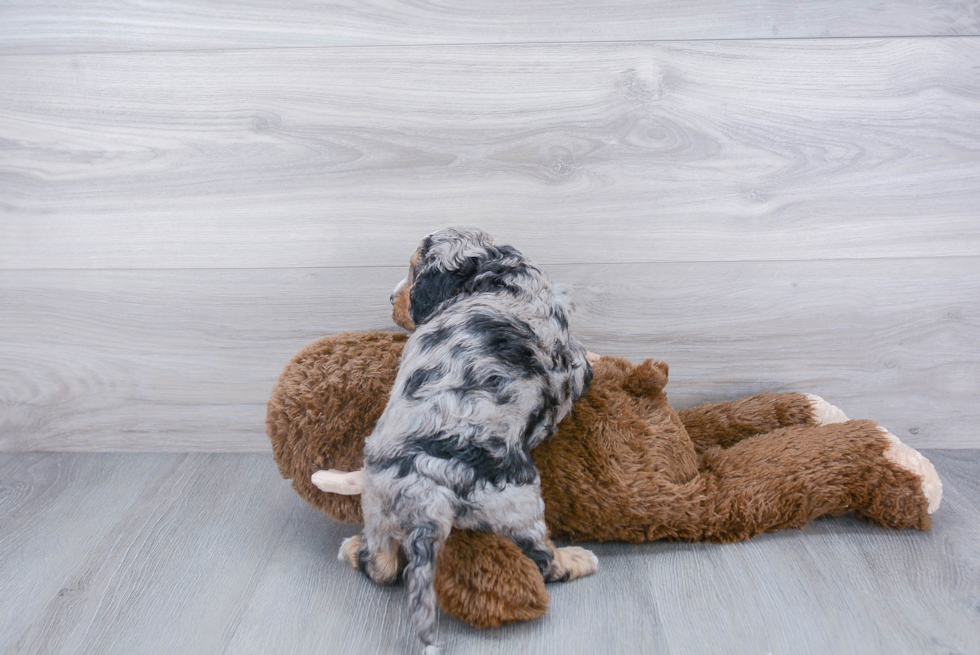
x=489, y=372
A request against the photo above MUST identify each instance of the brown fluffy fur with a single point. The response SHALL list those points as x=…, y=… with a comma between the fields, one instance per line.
x=324, y=405
x=624, y=466
x=488, y=581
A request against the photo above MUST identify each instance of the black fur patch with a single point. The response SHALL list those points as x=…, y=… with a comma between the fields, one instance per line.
x=429, y=340
x=421, y=377
x=421, y=545
x=558, y=314
x=495, y=276
x=509, y=340
x=589, y=373
x=363, y=558
x=504, y=466
x=507, y=466
x=541, y=423
x=495, y=272
x=432, y=287
x=405, y=464
x=540, y=556
x=494, y=385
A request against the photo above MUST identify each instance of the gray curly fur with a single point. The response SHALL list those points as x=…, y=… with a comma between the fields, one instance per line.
x=488, y=374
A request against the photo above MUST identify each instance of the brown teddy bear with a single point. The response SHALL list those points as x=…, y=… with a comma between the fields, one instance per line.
x=623, y=466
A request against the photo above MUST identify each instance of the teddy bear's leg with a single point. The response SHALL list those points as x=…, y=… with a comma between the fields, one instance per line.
x=485, y=580
x=792, y=475
x=726, y=423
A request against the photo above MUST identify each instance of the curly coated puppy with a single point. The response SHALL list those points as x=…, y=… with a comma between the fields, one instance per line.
x=489, y=372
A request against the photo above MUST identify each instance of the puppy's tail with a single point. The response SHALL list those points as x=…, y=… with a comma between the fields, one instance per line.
x=423, y=546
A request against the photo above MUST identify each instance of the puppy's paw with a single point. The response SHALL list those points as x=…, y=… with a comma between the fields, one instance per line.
x=576, y=562
x=823, y=412
x=915, y=462
x=348, y=550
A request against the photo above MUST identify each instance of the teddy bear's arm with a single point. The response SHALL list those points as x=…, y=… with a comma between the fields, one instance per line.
x=726, y=423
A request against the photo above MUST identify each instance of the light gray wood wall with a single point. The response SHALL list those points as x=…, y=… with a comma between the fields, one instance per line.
x=188, y=194
x=86, y=26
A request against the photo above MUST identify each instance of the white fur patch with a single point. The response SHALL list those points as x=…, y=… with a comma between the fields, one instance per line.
x=913, y=461
x=824, y=412
x=338, y=482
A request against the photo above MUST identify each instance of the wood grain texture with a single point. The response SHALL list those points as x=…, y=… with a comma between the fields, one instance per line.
x=178, y=551
x=77, y=26
x=214, y=554
x=838, y=586
x=54, y=510
x=689, y=151
x=184, y=360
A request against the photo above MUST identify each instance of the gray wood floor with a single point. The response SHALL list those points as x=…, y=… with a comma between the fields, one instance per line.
x=184, y=553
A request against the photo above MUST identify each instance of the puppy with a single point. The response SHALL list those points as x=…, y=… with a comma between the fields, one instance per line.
x=489, y=372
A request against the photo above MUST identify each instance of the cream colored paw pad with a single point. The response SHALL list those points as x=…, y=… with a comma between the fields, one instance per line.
x=824, y=412
x=914, y=462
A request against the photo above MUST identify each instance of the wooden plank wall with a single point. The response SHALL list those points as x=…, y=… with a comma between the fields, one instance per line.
x=189, y=193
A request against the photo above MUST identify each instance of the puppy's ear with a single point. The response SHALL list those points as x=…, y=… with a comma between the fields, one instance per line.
x=432, y=287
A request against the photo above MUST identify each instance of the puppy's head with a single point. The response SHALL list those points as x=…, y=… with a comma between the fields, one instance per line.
x=446, y=264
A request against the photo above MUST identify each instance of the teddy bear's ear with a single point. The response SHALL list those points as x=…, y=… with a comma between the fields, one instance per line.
x=646, y=379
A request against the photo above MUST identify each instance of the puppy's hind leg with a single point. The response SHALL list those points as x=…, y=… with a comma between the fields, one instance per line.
x=556, y=564
x=377, y=552
x=528, y=530
x=383, y=563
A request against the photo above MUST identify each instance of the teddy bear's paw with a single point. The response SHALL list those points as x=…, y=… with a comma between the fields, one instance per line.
x=823, y=412
x=576, y=562
x=913, y=461
x=348, y=550
x=339, y=482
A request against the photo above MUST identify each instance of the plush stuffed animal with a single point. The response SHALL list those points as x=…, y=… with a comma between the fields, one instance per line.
x=623, y=466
